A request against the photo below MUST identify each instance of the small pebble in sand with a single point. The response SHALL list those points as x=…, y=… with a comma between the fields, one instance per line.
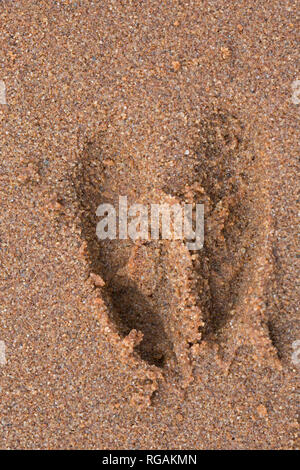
x=262, y=411
x=176, y=66
x=97, y=280
x=226, y=52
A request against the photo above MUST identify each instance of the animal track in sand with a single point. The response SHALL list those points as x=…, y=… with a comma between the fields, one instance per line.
x=236, y=263
x=150, y=286
x=174, y=297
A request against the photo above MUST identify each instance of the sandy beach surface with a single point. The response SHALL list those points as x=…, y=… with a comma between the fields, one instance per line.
x=128, y=344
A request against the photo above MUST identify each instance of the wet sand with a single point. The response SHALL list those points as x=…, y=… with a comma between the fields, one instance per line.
x=133, y=345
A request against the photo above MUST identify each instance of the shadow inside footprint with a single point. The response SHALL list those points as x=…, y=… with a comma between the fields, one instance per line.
x=134, y=311
x=132, y=301
x=224, y=171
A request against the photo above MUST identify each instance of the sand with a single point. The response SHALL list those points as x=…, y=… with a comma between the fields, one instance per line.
x=133, y=344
